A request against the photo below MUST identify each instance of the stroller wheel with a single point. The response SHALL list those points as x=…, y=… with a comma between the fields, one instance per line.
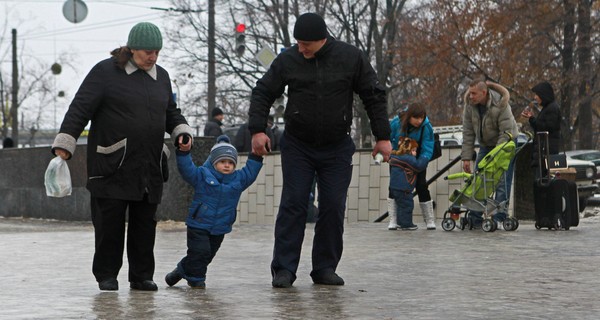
x=488, y=225
x=463, y=222
x=448, y=224
x=510, y=224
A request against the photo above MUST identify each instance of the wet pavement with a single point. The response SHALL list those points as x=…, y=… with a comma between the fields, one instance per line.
x=45, y=273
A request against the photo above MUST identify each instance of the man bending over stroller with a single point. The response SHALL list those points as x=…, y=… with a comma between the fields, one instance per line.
x=487, y=116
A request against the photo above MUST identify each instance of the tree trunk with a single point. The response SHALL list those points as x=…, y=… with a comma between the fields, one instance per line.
x=585, y=64
x=568, y=71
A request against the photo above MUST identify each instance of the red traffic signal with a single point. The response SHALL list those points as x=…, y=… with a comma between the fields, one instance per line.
x=240, y=28
x=240, y=39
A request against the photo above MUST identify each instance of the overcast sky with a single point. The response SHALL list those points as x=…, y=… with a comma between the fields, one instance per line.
x=44, y=32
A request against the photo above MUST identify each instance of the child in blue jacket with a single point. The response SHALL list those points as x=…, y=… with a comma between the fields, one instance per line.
x=217, y=190
x=404, y=167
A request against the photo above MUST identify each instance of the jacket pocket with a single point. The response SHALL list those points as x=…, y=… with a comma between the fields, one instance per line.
x=108, y=159
x=164, y=163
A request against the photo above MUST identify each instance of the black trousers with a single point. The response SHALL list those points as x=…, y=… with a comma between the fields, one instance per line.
x=108, y=217
x=421, y=187
x=202, y=248
x=300, y=163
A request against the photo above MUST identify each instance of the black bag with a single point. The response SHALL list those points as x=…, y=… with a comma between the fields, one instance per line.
x=557, y=161
x=437, y=147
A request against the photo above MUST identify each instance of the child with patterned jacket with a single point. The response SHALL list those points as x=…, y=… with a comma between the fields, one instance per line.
x=404, y=167
x=217, y=190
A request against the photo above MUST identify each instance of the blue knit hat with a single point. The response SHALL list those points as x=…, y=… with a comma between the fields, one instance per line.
x=145, y=36
x=223, y=150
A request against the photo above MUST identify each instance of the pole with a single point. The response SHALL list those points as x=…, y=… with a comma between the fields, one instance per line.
x=212, y=88
x=4, y=126
x=14, y=112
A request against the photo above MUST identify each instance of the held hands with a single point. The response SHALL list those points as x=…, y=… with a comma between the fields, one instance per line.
x=185, y=143
x=384, y=147
x=261, y=144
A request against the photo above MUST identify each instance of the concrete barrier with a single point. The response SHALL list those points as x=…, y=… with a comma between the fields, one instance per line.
x=23, y=194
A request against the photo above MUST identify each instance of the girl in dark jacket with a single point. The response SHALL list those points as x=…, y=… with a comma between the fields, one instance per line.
x=548, y=120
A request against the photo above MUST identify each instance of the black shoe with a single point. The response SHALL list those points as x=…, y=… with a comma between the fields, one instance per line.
x=109, y=285
x=329, y=278
x=173, y=277
x=146, y=285
x=282, y=279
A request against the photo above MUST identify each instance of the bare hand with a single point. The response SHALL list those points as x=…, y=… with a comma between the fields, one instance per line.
x=64, y=154
x=384, y=147
x=261, y=144
x=527, y=113
x=467, y=166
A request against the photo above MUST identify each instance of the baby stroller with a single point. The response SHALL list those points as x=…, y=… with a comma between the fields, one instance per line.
x=478, y=192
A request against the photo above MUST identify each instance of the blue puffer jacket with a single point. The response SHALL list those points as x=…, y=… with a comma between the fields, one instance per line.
x=216, y=195
x=404, y=170
x=425, y=145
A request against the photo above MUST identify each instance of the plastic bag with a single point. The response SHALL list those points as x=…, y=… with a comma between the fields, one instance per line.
x=58, y=178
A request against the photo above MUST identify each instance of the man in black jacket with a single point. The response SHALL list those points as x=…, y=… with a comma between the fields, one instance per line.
x=322, y=75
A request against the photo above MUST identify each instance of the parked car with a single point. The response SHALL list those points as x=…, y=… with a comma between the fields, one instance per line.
x=586, y=176
x=587, y=155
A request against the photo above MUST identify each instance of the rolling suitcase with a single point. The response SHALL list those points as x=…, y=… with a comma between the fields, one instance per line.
x=556, y=200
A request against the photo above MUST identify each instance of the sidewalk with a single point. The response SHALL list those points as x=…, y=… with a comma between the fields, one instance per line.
x=45, y=273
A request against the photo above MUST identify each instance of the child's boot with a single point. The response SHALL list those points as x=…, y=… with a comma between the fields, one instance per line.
x=173, y=277
x=393, y=225
x=428, y=214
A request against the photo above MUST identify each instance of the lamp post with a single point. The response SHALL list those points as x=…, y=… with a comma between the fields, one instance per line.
x=56, y=69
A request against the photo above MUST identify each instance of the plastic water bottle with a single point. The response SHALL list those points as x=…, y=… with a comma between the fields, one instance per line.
x=378, y=158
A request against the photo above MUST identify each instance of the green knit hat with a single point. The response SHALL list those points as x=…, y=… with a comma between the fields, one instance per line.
x=144, y=36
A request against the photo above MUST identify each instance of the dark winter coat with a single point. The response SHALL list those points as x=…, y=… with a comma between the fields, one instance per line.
x=216, y=195
x=548, y=119
x=129, y=114
x=213, y=128
x=320, y=94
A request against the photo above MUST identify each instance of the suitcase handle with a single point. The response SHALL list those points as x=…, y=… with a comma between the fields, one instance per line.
x=543, y=157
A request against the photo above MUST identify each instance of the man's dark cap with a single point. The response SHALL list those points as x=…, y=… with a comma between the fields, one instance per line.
x=310, y=27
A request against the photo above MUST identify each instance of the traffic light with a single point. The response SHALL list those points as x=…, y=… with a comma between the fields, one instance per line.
x=240, y=39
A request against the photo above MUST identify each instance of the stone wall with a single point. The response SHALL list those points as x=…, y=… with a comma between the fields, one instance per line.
x=23, y=194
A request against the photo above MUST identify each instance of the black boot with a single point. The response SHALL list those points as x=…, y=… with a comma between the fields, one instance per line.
x=173, y=277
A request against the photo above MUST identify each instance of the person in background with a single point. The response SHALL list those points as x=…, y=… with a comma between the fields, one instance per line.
x=548, y=119
x=217, y=190
x=213, y=126
x=413, y=122
x=322, y=75
x=7, y=143
x=404, y=168
x=129, y=100
x=243, y=138
x=487, y=117
x=277, y=132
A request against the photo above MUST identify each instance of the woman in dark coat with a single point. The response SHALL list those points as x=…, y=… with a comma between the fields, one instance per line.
x=548, y=119
x=129, y=101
